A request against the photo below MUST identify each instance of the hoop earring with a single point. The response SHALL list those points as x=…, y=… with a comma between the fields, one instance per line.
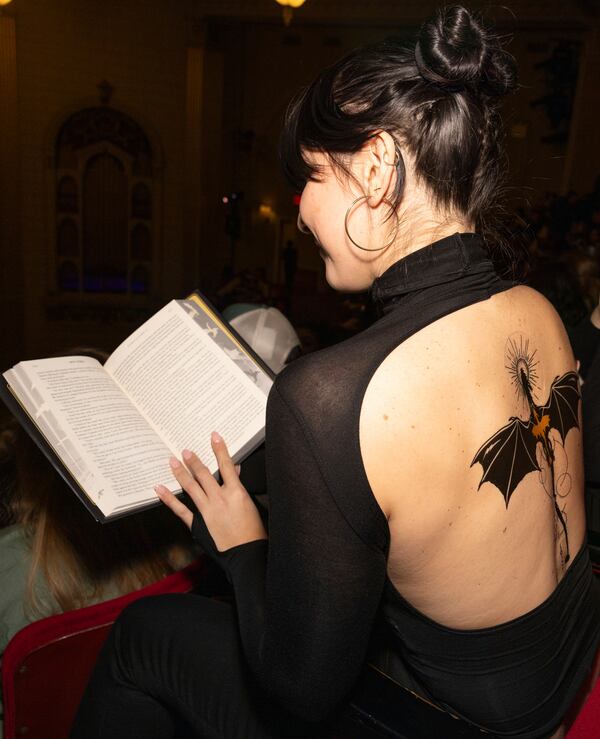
x=356, y=244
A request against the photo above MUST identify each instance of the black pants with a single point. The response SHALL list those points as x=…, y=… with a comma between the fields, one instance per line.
x=173, y=667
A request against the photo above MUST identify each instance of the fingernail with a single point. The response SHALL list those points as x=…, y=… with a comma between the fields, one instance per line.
x=175, y=463
x=216, y=437
x=186, y=454
x=158, y=490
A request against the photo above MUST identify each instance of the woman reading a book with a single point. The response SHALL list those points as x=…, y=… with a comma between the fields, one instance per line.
x=426, y=524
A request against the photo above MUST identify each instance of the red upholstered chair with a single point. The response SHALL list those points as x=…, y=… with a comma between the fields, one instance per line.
x=587, y=723
x=583, y=721
x=46, y=665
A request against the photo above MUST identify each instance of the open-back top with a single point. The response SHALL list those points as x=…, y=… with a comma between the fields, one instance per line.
x=315, y=602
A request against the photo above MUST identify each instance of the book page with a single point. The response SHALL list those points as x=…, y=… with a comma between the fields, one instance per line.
x=224, y=339
x=187, y=385
x=98, y=433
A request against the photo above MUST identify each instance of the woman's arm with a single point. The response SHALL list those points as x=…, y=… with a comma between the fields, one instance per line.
x=323, y=583
x=306, y=606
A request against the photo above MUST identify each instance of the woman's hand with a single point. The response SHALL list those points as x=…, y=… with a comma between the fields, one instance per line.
x=228, y=511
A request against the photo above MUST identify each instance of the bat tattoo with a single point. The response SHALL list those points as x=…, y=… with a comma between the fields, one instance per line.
x=511, y=453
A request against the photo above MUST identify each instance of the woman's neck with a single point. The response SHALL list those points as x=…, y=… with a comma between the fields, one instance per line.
x=417, y=236
x=419, y=223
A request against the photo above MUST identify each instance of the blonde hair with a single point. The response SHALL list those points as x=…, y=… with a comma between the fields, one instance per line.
x=84, y=561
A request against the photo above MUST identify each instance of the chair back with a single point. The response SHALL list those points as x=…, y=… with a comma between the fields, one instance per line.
x=587, y=723
x=47, y=664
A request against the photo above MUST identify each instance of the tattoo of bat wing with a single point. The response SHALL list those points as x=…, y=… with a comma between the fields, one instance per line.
x=563, y=404
x=508, y=456
x=510, y=453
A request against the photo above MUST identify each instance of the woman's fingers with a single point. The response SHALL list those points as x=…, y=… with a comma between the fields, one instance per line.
x=226, y=510
x=196, y=479
x=178, y=508
x=188, y=482
x=226, y=466
x=200, y=472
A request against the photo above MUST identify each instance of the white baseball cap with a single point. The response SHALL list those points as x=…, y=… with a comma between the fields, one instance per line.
x=267, y=331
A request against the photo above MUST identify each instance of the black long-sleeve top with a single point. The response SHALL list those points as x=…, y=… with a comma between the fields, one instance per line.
x=309, y=598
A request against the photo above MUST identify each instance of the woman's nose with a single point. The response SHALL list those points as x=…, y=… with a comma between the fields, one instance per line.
x=302, y=227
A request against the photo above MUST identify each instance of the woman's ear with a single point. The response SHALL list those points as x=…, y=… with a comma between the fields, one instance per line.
x=378, y=175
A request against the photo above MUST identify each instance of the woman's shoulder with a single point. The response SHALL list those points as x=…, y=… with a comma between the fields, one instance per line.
x=523, y=309
x=477, y=342
x=13, y=545
x=462, y=369
x=527, y=296
x=296, y=386
x=320, y=373
x=15, y=557
x=15, y=561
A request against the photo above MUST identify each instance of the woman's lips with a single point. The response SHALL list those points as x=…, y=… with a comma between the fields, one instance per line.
x=322, y=252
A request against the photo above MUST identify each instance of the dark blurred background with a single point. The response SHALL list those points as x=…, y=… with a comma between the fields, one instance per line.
x=138, y=158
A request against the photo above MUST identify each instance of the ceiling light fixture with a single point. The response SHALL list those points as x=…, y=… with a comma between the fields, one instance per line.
x=288, y=7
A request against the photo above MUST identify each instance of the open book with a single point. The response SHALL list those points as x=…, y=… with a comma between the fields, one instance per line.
x=110, y=430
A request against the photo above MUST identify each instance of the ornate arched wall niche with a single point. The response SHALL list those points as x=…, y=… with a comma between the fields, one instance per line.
x=103, y=188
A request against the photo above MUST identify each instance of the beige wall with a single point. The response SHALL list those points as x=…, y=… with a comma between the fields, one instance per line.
x=64, y=50
x=192, y=73
x=12, y=334
x=582, y=163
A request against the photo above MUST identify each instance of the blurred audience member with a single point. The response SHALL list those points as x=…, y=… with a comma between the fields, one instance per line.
x=590, y=394
x=557, y=281
x=563, y=244
x=247, y=286
x=267, y=331
x=587, y=271
x=585, y=336
x=55, y=557
x=276, y=342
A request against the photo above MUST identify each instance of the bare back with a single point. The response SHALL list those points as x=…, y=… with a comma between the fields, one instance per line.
x=473, y=546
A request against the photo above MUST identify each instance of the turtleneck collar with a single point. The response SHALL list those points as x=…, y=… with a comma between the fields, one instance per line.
x=437, y=264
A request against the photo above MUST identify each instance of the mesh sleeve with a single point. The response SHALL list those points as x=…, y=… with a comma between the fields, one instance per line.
x=307, y=640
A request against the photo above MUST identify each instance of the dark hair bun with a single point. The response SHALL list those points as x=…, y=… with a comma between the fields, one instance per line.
x=456, y=51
